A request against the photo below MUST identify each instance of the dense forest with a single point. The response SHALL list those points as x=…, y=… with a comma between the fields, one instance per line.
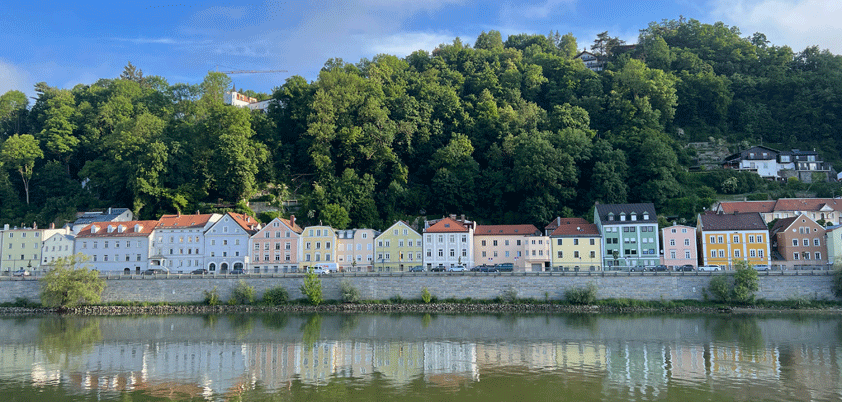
x=514, y=131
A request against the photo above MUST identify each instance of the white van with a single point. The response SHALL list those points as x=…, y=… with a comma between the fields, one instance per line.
x=709, y=268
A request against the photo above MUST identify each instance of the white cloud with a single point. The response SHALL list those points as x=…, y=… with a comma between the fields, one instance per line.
x=13, y=77
x=796, y=23
x=404, y=43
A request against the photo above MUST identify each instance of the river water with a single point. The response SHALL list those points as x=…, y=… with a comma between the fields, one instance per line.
x=422, y=357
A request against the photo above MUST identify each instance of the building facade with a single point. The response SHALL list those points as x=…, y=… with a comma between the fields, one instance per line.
x=21, y=247
x=318, y=248
x=276, y=247
x=576, y=245
x=679, y=245
x=116, y=247
x=227, y=243
x=512, y=244
x=629, y=235
x=355, y=251
x=400, y=246
x=448, y=242
x=833, y=239
x=178, y=242
x=57, y=246
x=727, y=238
x=799, y=241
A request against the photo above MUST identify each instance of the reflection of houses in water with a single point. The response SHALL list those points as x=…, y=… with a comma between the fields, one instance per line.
x=640, y=366
x=758, y=363
x=317, y=363
x=527, y=355
x=581, y=356
x=273, y=364
x=449, y=364
x=814, y=369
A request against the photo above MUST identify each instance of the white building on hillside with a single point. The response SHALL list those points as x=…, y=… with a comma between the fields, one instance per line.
x=59, y=245
x=179, y=242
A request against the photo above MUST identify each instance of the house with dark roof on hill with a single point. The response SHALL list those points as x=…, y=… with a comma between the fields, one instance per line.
x=109, y=215
x=629, y=235
x=727, y=238
x=772, y=164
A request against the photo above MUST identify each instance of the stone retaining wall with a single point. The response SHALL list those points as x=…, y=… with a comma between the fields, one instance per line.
x=677, y=286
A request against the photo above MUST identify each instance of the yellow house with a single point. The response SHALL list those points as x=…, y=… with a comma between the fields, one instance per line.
x=318, y=248
x=576, y=245
x=398, y=248
x=21, y=247
x=727, y=238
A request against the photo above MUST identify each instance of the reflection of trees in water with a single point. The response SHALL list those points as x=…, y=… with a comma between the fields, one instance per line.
x=311, y=331
x=210, y=320
x=582, y=320
x=276, y=321
x=426, y=320
x=743, y=330
x=348, y=323
x=62, y=337
x=242, y=325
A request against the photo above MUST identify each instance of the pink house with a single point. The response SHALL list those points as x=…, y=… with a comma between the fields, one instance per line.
x=679, y=246
x=276, y=247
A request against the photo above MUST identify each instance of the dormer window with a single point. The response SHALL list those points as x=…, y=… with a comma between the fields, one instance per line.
x=645, y=216
x=137, y=228
x=94, y=228
x=447, y=225
x=110, y=229
x=610, y=216
x=622, y=216
x=121, y=229
x=633, y=216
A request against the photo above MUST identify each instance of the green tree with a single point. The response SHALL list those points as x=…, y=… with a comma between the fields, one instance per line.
x=20, y=152
x=312, y=288
x=57, y=135
x=13, y=113
x=335, y=216
x=243, y=294
x=68, y=283
x=745, y=282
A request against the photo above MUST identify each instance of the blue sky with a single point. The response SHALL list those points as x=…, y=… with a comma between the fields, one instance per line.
x=64, y=43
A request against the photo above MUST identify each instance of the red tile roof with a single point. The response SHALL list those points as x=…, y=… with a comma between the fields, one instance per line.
x=295, y=228
x=146, y=228
x=559, y=220
x=246, y=222
x=506, y=230
x=183, y=221
x=807, y=204
x=446, y=225
x=575, y=227
x=730, y=207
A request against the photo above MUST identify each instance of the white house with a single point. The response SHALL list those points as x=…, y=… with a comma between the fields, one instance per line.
x=21, y=247
x=116, y=246
x=59, y=245
x=179, y=242
x=227, y=242
x=448, y=242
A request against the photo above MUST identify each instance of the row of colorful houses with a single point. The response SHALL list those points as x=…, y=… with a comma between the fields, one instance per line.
x=621, y=237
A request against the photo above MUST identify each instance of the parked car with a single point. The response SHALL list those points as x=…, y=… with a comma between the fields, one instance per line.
x=238, y=271
x=439, y=268
x=458, y=268
x=321, y=271
x=417, y=268
x=639, y=268
x=659, y=268
x=155, y=271
x=22, y=272
x=686, y=268
x=505, y=267
x=200, y=271
x=709, y=268
x=761, y=267
x=488, y=268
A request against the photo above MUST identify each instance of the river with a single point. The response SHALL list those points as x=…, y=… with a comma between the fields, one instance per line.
x=421, y=357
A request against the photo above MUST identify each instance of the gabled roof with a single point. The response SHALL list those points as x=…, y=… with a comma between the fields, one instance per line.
x=575, y=227
x=184, y=221
x=447, y=225
x=249, y=224
x=782, y=224
x=807, y=204
x=294, y=227
x=405, y=223
x=604, y=210
x=506, y=230
x=61, y=236
x=749, y=221
x=100, y=229
x=558, y=221
x=730, y=207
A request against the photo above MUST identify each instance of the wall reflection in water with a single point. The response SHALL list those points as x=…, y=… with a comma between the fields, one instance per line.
x=626, y=357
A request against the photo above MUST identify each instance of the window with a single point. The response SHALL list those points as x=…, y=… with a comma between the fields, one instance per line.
x=816, y=242
x=686, y=242
x=483, y=254
x=760, y=238
x=494, y=243
x=672, y=254
x=576, y=254
x=736, y=239
x=713, y=253
x=560, y=254
x=593, y=242
x=517, y=242
x=452, y=253
x=818, y=256
x=672, y=243
x=794, y=242
x=720, y=239
x=805, y=242
x=721, y=253
x=687, y=254
x=575, y=242
x=796, y=255
x=558, y=242
x=737, y=253
x=495, y=254
x=712, y=240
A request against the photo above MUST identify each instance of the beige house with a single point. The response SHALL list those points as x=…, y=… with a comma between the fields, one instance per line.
x=355, y=250
x=576, y=245
x=521, y=245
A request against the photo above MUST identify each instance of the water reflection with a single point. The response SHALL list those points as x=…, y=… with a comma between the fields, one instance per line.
x=342, y=357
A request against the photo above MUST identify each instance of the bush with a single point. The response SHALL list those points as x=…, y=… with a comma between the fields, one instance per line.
x=837, y=283
x=211, y=297
x=509, y=295
x=312, y=288
x=242, y=294
x=586, y=295
x=426, y=297
x=276, y=296
x=397, y=299
x=69, y=285
x=745, y=283
x=720, y=289
x=350, y=294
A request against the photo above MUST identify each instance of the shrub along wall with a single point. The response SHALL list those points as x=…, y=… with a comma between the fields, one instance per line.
x=443, y=286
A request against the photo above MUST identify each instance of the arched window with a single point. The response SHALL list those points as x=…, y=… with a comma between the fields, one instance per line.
x=212, y=267
x=127, y=271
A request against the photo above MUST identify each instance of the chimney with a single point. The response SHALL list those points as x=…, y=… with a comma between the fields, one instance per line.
x=6, y=227
x=109, y=210
x=35, y=225
x=52, y=225
x=292, y=220
x=453, y=216
x=463, y=217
